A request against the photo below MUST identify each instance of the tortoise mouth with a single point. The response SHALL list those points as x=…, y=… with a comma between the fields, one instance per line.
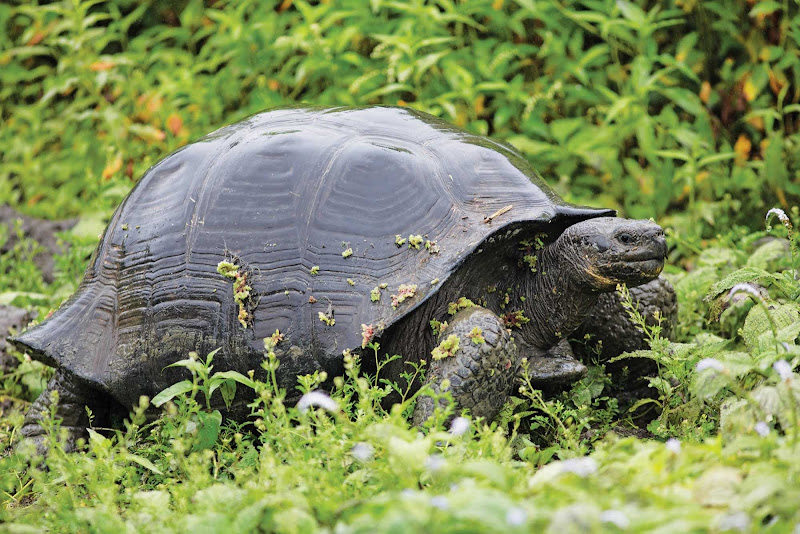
x=638, y=271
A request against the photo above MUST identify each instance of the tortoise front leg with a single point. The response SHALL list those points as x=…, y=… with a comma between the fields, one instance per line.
x=553, y=369
x=480, y=372
x=72, y=399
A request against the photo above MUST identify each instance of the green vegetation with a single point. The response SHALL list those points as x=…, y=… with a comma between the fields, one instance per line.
x=681, y=110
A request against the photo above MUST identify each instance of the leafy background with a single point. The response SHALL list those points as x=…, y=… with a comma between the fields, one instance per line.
x=680, y=110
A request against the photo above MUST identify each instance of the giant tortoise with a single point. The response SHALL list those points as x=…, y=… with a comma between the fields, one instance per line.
x=337, y=228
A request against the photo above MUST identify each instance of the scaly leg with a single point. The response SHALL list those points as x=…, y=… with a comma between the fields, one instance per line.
x=72, y=399
x=481, y=372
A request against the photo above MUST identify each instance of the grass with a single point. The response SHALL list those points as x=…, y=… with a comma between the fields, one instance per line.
x=679, y=110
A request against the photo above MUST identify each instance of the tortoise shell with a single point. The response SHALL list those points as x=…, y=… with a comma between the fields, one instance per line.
x=309, y=204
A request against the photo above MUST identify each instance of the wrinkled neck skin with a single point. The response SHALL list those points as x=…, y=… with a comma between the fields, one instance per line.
x=558, y=297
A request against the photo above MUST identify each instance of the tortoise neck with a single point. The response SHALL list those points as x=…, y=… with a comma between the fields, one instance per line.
x=558, y=299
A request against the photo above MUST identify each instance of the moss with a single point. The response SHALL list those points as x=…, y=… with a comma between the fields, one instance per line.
x=367, y=333
x=414, y=241
x=438, y=326
x=431, y=247
x=405, y=291
x=241, y=290
x=326, y=318
x=515, y=319
x=314, y=270
x=351, y=281
x=446, y=348
x=530, y=260
x=375, y=294
x=227, y=269
x=277, y=337
x=460, y=304
x=347, y=253
x=476, y=335
x=399, y=240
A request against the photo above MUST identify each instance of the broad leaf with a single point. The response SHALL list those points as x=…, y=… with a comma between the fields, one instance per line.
x=171, y=392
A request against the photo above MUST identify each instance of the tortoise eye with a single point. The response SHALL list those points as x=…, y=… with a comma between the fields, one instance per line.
x=625, y=239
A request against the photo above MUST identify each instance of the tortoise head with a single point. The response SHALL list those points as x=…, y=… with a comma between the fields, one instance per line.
x=607, y=251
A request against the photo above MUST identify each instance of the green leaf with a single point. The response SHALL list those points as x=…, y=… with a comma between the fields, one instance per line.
x=171, y=392
x=529, y=146
x=97, y=439
x=743, y=275
x=674, y=154
x=193, y=365
x=632, y=12
x=775, y=172
x=144, y=462
x=228, y=391
x=716, y=158
x=757, y=331
x=90, y=226
x=236, y=376
x=621, y=104
x=388, y=89
x=208, y=425
x=763, y=256
x=765, y=7
x=685, y=99
x=708, y=383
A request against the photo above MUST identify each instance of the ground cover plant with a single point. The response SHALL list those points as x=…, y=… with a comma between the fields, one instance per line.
x=679, y=110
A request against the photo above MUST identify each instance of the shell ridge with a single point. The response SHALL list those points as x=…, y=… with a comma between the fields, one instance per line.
x=204, y=192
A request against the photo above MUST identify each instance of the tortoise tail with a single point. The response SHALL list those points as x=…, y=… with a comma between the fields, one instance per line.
x=33, y=343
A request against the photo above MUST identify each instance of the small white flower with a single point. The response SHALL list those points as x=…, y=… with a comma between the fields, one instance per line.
x=317, y=399
x=615, y=517
x=744, y=288
x=783, y=368
x=362, y=452
x=710, y=363
x=734, y=521
x=583, y=467
x=440, y=502
x=516, y=516
x=781, y=217
x=762, y=429
x=435, y=462
x=673, y=445
x=459, y=426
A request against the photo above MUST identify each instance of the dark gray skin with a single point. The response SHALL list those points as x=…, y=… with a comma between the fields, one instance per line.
x=610, y=328
x=588, y=260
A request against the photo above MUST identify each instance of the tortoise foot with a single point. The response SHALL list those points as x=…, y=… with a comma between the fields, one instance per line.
x=70, y=409
x=555, y=368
